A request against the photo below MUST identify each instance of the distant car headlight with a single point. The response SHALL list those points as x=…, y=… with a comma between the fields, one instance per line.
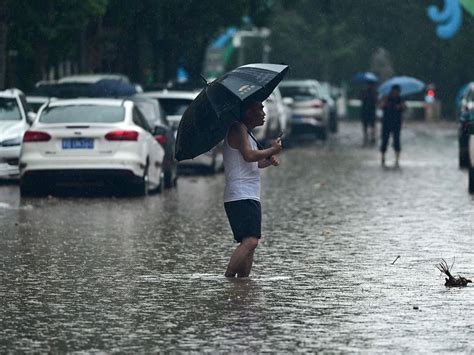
x=12, y=141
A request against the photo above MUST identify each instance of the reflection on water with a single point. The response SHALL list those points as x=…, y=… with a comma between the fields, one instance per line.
x=146, y=275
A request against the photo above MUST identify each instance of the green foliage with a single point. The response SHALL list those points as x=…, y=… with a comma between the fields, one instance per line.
x=333, y=39
x=325, y=39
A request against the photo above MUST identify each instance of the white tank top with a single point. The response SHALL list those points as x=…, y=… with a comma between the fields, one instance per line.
x=242, y=178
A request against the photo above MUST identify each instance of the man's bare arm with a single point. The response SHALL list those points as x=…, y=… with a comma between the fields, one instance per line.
x=238, y=139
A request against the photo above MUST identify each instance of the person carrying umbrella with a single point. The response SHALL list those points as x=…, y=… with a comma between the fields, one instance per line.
x=229, y=108
x=368, y=99
x=242, y=161
x=393, y=107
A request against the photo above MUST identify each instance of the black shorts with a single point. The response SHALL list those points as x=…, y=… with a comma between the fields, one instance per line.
x=245, y=218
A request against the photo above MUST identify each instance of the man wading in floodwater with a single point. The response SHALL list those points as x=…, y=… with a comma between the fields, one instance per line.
x=242, y=159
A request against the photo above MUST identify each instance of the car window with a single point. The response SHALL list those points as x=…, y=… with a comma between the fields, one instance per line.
x=83, y=114
x=149, y=112
x=9, y=110
x=299, y=93
x=174, y=107
x=35, y=106
x=139, y=120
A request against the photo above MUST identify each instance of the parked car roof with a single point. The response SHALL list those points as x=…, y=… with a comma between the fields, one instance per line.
x=86, y=101
x=172, y=94
x=91, y=78
x=299, y=82
x=11, y=92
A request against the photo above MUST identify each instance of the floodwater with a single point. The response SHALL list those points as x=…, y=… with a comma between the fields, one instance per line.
x=94, y=274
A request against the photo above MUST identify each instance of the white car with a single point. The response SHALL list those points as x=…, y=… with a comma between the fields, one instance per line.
x=276, y=118
x=174, y=104
x=310, y=111
x=14, y=121
x=90, y=140
x=35, y=102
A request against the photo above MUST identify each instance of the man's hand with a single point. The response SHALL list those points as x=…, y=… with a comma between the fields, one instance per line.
x=276, y=146
x=270, y=161
x=274, y=161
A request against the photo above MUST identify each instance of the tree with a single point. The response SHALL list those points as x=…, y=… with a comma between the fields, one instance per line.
x=45, y=33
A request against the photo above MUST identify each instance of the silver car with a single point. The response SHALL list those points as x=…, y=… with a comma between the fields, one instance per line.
x=310, y=109
x=174, y=104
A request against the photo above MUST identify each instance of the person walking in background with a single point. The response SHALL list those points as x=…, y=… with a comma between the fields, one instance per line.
x=393, y=107
x=368, y=98
x=242, y=161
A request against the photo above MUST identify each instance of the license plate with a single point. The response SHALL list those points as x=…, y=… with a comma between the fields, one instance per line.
x=78, y=143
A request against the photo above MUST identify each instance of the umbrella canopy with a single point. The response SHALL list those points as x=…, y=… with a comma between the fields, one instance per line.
x=112, y=88
x=207, y=119
x=408, y=85
x=365, y=76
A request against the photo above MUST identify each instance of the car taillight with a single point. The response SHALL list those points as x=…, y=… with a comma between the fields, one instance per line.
x=318, y=104
x=122, y=136
x=36, y=136
x=161, y=139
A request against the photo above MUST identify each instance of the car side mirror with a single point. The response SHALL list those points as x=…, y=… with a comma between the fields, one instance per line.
x=30, y=117
x=288, y=101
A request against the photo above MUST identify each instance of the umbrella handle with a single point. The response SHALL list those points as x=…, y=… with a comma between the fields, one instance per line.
x=259, y=146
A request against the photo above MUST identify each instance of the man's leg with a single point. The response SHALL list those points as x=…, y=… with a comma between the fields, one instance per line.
x=248, y=265
x=241, y=260
x=385, y=137
x=364, y=131
x=396, y=142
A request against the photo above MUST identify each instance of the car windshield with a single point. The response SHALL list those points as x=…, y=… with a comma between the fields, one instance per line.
x=83, y=114
x=325, y=90
x=174, y=107
x=149, y=112
x=299, y=93
x=9, y=110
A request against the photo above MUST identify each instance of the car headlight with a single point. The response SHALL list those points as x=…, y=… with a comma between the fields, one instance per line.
x=12, y=141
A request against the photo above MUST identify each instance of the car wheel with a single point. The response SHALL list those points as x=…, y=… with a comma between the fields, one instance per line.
x=471, y=180
x=323, y=133
x=171, y=177
x=161, y=186
x=142, y=188
x=168, y=180
x=334, y=124
x=463, y=159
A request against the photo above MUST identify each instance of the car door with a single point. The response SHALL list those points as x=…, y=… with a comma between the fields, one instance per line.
x=151, y=148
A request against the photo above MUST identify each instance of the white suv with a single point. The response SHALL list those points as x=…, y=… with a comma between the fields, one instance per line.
x=174, y=104
x=15, y=118
x=310, y=109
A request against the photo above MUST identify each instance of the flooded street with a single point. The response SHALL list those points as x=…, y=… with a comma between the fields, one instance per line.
x=146, y=274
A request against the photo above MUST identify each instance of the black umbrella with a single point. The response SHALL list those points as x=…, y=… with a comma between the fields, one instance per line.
x=207, y=119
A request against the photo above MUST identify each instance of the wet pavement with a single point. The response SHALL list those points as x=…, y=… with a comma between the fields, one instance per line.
x=146, y=274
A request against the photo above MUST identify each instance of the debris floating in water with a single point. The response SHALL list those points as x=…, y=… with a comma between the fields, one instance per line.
x=398, y=257
x=451, y=281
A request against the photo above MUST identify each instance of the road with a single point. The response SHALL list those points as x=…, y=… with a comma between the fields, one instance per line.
x=146, y=274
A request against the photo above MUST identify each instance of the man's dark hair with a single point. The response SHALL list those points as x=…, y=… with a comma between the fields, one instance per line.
x=396, y=87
